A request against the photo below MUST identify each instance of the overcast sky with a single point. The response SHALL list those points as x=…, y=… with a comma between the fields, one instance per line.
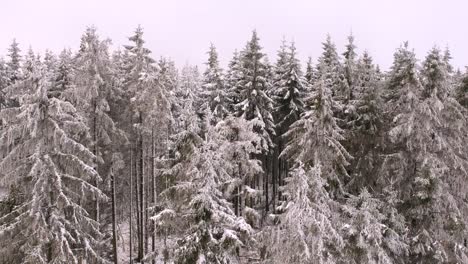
x=183, y=30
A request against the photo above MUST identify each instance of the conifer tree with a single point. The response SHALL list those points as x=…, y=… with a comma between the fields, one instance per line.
x=461, y=93
x=254, y=102
x=310, y=74
x=209, y=232
x=366, y=123
x=233, y=77
x=3, y=82
x=349, y=67
x=424, y=128
x=317, y=131
x=214, y=91
x=307, y=232
x=14, y=62
x=44, y=156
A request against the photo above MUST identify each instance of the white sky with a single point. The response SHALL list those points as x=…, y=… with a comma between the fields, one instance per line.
x=183, y=30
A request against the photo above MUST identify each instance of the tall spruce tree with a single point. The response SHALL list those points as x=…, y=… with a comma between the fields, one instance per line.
x=214, y=90
x=43, y=155
x=254, y=102
x=14, y=62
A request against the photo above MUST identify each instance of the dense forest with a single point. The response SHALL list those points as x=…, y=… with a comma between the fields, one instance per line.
x=120, y=157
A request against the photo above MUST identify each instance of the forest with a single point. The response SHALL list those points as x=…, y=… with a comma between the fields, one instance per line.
x=109, y=155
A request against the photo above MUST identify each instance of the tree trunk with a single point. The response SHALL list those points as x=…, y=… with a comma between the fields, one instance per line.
x=153, y=193
x=137, y=201
x=141, y=252
x=114, y=224
x=95, y=152
x=131, y=205
x=267, y=174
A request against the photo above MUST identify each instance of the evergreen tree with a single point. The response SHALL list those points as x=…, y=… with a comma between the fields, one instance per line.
x=316, y=132
x=461, y=93
x=254, y=103
x=14, y=62
x=3, y=82
x=233, y=77
x=423, y=129
x=91, y=91
x=288, y=90
x=63, y=78
x=307, y=232
x=366, y=126
x=209, y=232
x=349, y=67
x=214, y=90
x=43, y=155
x=310, y=74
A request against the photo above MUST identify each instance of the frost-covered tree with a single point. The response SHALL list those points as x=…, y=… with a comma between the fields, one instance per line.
x=288, y=90
x=329, y=67
x=374, y=231
x=187, y=102
x=310, y=73
x=63, y=77
x=233, y=77
x=307, y=230
x=429, y=160
x=214, y=90
x=90, y=93
x=365, y=124
x=349, y=67
x=209, y=231
x=14, y=62
x=461, y=92
x=254, y=102
x=317, y=131
x=43, y=155
x=3, y=82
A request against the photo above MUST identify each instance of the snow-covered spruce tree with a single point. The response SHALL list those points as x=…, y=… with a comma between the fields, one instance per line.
x=309, y=219
x=329, y=67
x=307, y=231
x=208, y=230
x=461, y=92
x=63, y=77
x=317, y=131
x=254, y=103
x=233, y=77
x=349, y=68
x=310, y=73
x=3, y=82
x=374, y=231
x=50, y=62
x=45, y=157
x=365, y=127
x=429, y=162
x=90, y=93
x=287, y=92
x=14, y=62
x=188, y=101
x=214, y=92
x=150, y=116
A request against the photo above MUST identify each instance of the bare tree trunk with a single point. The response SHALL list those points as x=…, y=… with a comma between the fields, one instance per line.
x=153, y=193
x=141, y=252
x=131, y=205
x=96, y=153
x=137, y=201
x=114, y=224
x=147, y=194
x=267, y=174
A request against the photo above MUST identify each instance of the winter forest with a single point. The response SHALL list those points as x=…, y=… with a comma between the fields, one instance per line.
x=115, y=156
